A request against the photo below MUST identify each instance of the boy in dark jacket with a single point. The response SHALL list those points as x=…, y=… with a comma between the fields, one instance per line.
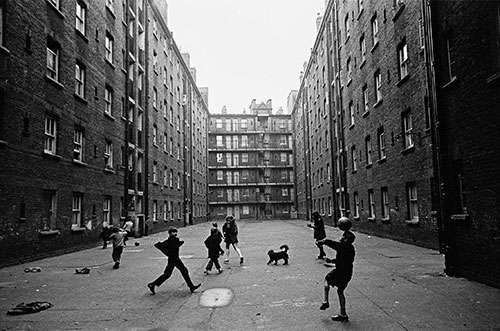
x=170, y=247
x=213, y=245
x=342, y=274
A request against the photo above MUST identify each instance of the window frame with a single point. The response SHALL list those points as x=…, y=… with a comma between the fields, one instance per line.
x=108, y=100
x=78, y=144
x=81, y=17
x=76, y=210
x=108, y=155
x=407, y=130
x=53, y=54
x=50, y=133
x=412, y=202
x=402, y=53
x=80, y=75
x=109, y=47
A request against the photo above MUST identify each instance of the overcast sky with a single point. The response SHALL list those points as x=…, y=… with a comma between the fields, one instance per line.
x=245, y=49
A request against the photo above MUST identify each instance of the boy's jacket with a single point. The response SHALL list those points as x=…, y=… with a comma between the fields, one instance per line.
x=170, y=247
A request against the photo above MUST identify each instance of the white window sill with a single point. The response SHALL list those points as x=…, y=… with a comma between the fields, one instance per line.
x=412, y=222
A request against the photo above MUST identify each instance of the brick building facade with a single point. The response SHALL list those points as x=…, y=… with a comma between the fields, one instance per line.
x=250, y=164
x=74, y=119
x=397, y=83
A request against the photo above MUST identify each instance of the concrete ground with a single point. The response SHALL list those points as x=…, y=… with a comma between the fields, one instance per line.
x=395, y=287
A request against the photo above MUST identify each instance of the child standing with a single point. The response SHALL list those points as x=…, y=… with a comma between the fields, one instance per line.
x=213, y=245
x=118, y=238
x=230, y=230
x=319, y=232
x=342, y=274
x=170, y=247
x=106, y=232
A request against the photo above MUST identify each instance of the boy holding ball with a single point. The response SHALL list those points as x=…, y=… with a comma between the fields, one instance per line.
x=342, y=273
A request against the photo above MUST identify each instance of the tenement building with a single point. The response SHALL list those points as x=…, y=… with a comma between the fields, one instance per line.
x=395, y=126
x=98, y=113
x=251, y=164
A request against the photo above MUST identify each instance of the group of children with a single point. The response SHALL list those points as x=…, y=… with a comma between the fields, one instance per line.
x=338, y=277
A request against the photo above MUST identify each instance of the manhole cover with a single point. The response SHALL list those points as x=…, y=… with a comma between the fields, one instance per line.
x=216, y=297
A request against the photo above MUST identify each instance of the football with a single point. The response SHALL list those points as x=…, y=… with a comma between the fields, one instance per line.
x=137, y=243
x=344, y=224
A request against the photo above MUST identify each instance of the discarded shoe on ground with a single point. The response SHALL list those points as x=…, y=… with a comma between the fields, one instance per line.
x=28, y=308
x=33, y=269
x=82, y=270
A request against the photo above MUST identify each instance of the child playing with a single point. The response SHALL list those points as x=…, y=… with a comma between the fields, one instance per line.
x=106, y=232
x=221, y=236
x=118, y=237
x=213, y=245
x=170, y=247
x=342, y=274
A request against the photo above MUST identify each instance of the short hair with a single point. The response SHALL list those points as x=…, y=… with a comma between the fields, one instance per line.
x=172, y=229
x=214, y=224
x=213, y=231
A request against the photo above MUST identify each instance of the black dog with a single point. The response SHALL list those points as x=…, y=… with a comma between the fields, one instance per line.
x=276, y=256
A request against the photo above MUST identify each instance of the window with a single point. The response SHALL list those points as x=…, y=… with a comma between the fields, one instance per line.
x=178, y=181
x=50, y=135
x=284, y=192
x=368, y=149
x=347, y=28
x=218, y=123
x=374, y=30
x=354, y=163
x=365, y=98
x=450, y=62
x=220, y=143
x=165, y=176
x=76, y=220
x=403, y=60
x=378, y=86
x=421, y=33
x=407, y=130
x=109, y=47
x=381, y=143
x=155, y=211
x=155, y=172
x=360, y=6
x=228, y=141
x=244, y=157
x=155, y=98
x=171, y=179
x=106, y=209
x=108, y=155
x=244, y=174
x=78, y=145
x=371, y=204
x=81, y=11
x=411, y=190
x=362, y=48
x=283, y=157
x=155, y=135
x=80, y=80
x=356, y=204
x=349, y=70
x=219, y=157
x=52, y=60
x=384, y=197
x=351, y=113
x=108, y=100
x=244, y=124
x=228, y=125
x=246, y=210
x=165, y=210
x=220, y=175
x=244, y=141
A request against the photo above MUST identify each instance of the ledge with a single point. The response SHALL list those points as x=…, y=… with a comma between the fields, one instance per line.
x=55, y=82
x=111, y=117
x=54, y=156
x=459, y=217
x=3, y=49
x=360, y=13
x=374, y=47
x=79, y=163
x=110, y=64
x=48, y=232
x=80, y=33
x=356, y=218
x=81, y=99
x=368, y=166
x=385, y=220
x=403, y=80
x=450, y=83
x=77, y=229
x=412, y=222
x=365, y=113
x=408, y=150
x=362, y=64
x=371, y=219
x=58, y=11
x=398, y=12
x=382, y=160
x=109, y=170
x=492, y=79
x=378, y=103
